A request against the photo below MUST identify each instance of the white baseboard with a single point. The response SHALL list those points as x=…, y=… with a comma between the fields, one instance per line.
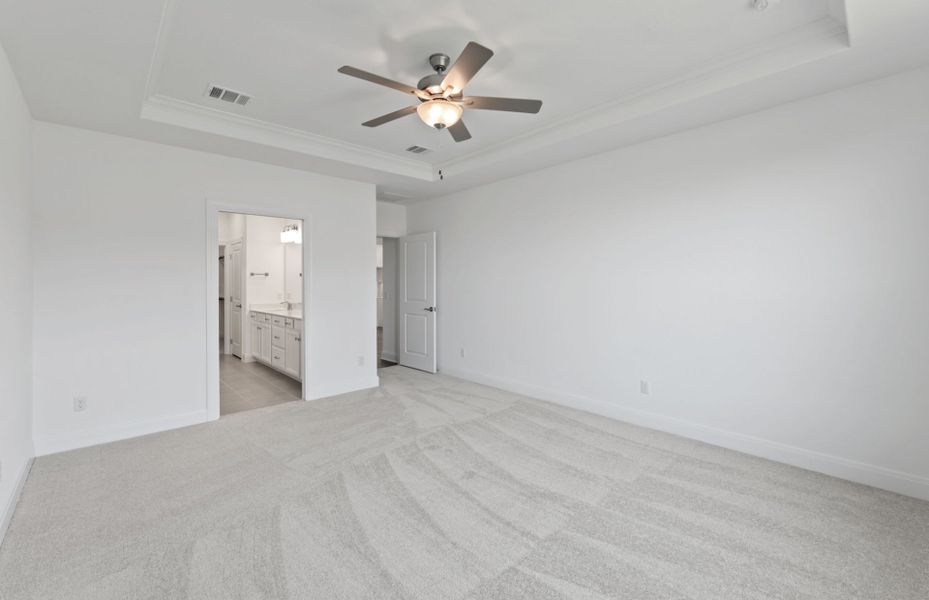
x=7, y=516
x=389, y=356
x=102, y=435
x=335, y=388
x=836, y=466
x=92, y=437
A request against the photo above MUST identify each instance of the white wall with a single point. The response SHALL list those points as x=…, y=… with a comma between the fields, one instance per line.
x=264, y=253
x=16, y=281
x=231, y=227
x=391, y=219
x=293, y=272
x=769, y=276
x=120, y=279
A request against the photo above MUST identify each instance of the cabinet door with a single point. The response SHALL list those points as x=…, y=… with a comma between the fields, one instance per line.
x=256, y=339
x=293, y=356
x=277, y=358
x=266, y=343
x=277, y=336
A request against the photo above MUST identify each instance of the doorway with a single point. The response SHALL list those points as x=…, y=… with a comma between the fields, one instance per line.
x=406, y=301
x=260, y=294
x=386, y=302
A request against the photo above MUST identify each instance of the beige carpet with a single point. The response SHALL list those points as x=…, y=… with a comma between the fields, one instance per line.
x=433, y=488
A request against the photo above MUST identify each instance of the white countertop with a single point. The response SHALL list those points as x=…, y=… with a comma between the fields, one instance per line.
x=294, y=313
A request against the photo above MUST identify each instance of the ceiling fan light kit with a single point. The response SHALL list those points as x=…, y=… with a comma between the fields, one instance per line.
x=441, y=93
x=439, y=113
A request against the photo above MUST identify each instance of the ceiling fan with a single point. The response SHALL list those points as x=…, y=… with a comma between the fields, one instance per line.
x=441, y=94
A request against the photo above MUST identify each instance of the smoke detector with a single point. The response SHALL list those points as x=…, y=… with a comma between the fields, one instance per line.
x=218, y=92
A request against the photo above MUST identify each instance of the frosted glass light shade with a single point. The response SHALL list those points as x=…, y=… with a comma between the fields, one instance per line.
x=439, y=113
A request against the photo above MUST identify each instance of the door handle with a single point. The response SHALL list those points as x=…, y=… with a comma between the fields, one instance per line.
x=430, y=308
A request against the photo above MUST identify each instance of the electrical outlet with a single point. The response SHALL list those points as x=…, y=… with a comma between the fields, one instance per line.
x=361, y=361
x=644, y=388
x=461, y=352
x=80, y=403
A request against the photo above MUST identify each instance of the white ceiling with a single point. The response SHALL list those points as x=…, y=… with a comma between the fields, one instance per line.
x=609, y=73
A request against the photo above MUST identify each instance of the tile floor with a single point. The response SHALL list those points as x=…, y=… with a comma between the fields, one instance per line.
x=244, y=386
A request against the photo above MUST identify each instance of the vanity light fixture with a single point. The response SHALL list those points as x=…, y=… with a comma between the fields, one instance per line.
x=291, y=234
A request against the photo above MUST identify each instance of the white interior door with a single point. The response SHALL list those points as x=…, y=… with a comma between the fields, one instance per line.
x=417, y=302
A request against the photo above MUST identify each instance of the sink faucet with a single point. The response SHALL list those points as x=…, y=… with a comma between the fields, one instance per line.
x=287, y=305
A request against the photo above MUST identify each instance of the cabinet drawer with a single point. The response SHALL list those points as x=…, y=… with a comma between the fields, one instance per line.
x=277, y=336
x=276, y=320
x=289, y=323
x=266, y=318
x=277, y=358
x=254, y=316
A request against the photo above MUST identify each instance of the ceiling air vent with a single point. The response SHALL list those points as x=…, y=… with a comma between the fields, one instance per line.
x=227, y=95
x=417, y=149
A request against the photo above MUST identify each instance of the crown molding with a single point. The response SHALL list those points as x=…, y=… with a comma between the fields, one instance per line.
x=156, y=65
x=165, y=109
x=172, y=111
x=813, y=41
x=810, y=42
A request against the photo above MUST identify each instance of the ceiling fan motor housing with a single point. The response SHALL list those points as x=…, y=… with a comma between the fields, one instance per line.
x=433, y=83
x=439, y=62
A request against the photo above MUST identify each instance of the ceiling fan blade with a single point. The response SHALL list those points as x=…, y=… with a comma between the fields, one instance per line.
x=353, y=72
x=508, y=104
x=390, y=116
x=459, y=132
x=470, y=62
